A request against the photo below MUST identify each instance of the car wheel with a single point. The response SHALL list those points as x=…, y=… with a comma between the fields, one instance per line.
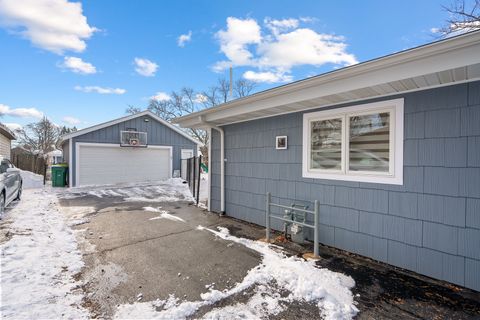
x=19, y=193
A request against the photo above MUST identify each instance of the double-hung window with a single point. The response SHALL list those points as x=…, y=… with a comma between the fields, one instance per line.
x=359, y=143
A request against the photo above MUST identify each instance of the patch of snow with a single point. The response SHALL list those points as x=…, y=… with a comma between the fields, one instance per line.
x=277, y=273
x=163, y=214
x=31, y=180
x=203, y=194
x=38, y=263
x=77, y=222
x=170, y=190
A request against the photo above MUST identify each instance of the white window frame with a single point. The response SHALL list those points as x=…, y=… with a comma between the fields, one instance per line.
x=395, y=174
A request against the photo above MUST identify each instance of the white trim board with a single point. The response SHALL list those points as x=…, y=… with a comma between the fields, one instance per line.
x=70, y=162
x=209, y=174
x=130, y=117
x=110, y=145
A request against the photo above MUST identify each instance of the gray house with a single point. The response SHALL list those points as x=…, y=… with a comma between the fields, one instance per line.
x=390, y=148
x=135, y=148
x=6, y=137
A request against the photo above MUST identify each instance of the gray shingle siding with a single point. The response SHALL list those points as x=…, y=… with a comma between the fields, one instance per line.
x=157, y=134
x=430, y=224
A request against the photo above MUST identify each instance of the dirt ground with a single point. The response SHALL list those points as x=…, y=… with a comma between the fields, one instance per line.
x=132, y=258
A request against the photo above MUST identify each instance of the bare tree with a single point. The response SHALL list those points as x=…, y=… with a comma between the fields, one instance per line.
x=463, y=17
x=132, y=109
x=220, y=93
x=39, y=137
x=243, y=88
x=182, y=103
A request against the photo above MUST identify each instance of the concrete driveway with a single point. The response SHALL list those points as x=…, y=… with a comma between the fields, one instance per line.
x=132, y=253
x=142, y=243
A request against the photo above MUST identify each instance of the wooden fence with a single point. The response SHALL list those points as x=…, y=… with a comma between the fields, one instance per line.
x=28, y=162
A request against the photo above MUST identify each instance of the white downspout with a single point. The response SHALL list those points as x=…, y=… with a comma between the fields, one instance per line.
x=222, y=162
x=209, y=183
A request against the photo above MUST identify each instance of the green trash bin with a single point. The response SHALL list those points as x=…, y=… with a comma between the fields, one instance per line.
x=59, y=175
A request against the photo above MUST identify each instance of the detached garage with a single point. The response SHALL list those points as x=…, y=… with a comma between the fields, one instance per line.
x=136, y=148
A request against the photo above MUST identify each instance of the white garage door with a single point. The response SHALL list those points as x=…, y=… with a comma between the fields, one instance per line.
x=108, y=164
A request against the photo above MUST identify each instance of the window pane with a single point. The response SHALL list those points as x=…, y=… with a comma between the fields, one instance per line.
x=370, y=142
x=326, y=144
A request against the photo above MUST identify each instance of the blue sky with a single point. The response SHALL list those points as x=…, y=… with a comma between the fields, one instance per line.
x=76, y=63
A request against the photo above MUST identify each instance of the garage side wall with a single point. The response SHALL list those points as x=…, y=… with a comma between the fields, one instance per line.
x=5, y=146
x=66, y=151
x=157, y=134
x=430, y=224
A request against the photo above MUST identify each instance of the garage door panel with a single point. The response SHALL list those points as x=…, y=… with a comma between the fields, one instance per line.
x=114, y=164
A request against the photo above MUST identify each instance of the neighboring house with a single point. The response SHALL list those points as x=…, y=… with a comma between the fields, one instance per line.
x=135, y=148
x=6, y=137
x=389, y=147
x=54, y=157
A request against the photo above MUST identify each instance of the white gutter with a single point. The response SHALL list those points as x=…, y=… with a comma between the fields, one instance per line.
x=222, y=163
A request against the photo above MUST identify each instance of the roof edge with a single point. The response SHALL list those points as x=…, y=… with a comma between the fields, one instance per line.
x=6, y=131
x=126, y=118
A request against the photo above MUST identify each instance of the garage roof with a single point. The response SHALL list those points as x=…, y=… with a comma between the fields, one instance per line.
x=126, y=118
x=445, y=62
x=7, y=132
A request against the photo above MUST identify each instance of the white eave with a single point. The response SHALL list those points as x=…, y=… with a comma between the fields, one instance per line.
x=126, y=118
x=446, y=62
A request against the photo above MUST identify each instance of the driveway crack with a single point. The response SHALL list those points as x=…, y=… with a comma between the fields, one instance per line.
x=149, y=239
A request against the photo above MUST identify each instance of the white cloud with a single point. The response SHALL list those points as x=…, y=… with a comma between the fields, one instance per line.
x=54, y=25
x=457, y=29
x=77, y=65
x=101, y=90
x=71, y=120
x=235, y=40
x=13, y=126
x=20, y=112
x=145, y=67
x=308, y=19
x=161, y=96
x=184, y=38
x=279, y=47
x=304, y=47
x=267, y=76
x=277, y=26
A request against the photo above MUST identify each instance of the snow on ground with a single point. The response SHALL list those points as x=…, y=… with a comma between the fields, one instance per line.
x=275, y=275
x=31, y=180
x=203, y=194
x=163, y=214
x=170, y=190
x=39, y=261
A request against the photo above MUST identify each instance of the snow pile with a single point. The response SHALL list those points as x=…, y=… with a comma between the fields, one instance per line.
x=39, y=261
x=203, y=194
x=277, y=274
x=163, y=214
x=31, y=180
x=170, y=190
